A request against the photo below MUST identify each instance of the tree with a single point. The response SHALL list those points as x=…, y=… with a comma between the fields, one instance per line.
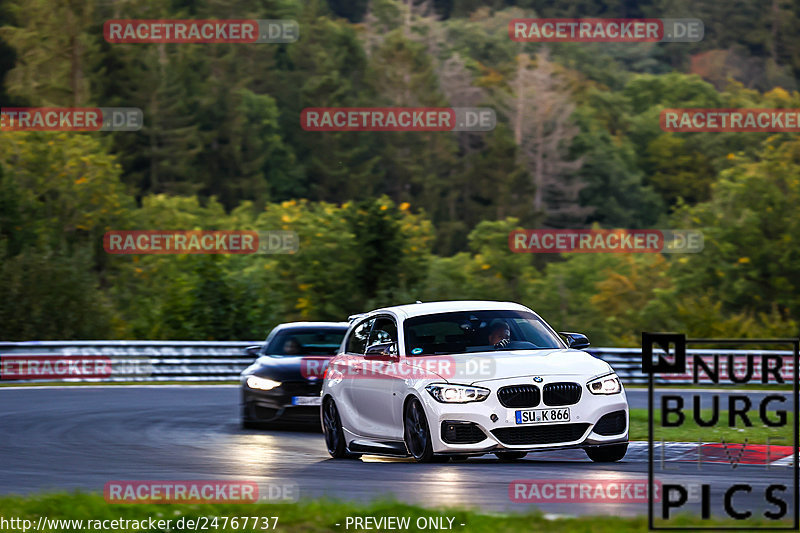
x=626, y=294
x=540, y=111
x=47, y=295
x=457, y=84
x=14, y=232
x=493, y=186
x=8, y=58
x=155, y=293
x=563, y=294
x=751, y=259
x=488, y=271
x=65, y=186
x=417, y=166
x=52, y=71
x=327, y=68
x=161, y=80
x=615, y=186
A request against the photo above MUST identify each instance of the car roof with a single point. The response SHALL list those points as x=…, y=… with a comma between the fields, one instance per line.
x=428, y=308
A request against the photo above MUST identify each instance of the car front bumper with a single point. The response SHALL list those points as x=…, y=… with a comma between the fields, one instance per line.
x=277, y=405
x=504, y=434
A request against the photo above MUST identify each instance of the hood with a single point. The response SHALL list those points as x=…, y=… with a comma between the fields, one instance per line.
x=490, y=366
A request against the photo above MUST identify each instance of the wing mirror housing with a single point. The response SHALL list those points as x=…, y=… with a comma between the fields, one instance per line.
x=382, y=351
x=576, y=341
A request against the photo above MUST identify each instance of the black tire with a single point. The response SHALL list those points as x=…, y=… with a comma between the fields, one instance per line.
x=607, y=454
x=416, y=433
x=510, y=456
x=332, y=429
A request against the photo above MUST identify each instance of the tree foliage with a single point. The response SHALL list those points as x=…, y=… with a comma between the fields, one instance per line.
x=392, y=217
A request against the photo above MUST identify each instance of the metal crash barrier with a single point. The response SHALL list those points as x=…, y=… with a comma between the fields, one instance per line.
x=154, y=361
x=102, y=361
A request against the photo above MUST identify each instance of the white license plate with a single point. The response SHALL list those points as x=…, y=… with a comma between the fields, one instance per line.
x=542, y=416
x=307, y=400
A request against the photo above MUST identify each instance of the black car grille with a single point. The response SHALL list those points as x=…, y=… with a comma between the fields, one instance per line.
x=562, y=393
x=547, y=434
x=301, y=388
x=519, y=396
x=611, y=424
x=461, y=432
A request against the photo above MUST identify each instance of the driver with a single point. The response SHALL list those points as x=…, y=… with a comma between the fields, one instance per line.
x=499, y=334
x=291, y=346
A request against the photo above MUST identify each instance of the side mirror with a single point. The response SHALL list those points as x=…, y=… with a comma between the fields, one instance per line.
x=576, y=341
x=252, y=351
x=381, y=351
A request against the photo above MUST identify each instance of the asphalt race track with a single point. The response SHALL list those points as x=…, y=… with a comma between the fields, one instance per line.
x=55, y=439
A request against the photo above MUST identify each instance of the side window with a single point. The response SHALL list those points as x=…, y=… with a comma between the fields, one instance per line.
x=357, y=342
x=385, y=330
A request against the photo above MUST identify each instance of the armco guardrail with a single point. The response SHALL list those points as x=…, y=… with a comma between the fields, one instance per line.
x=153, y=361
x=627, y=362
x=141, y=360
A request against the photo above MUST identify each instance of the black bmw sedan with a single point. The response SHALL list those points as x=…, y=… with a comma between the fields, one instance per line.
x=282, y=386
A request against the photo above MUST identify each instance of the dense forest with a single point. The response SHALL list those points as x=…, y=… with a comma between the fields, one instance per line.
x=386, y=217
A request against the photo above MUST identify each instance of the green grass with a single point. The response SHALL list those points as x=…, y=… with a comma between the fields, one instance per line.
x=689, y=431
x=310, y=516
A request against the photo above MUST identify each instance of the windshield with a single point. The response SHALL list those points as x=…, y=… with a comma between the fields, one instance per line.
x=305, y=341
x=477, y=331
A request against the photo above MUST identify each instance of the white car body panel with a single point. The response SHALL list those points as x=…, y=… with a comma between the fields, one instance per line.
x=371, y=409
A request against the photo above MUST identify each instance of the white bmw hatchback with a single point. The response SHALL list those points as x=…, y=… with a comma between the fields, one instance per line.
x=461, y=378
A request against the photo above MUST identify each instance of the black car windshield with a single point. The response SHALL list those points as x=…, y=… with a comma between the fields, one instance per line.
x=293, y=342
x=477, y=331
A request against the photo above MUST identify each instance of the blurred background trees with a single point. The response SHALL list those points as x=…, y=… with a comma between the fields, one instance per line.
x=388, y=218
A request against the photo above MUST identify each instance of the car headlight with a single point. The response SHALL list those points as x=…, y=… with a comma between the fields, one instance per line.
x=445, y=393
x=255, y=382
x=608, y=384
